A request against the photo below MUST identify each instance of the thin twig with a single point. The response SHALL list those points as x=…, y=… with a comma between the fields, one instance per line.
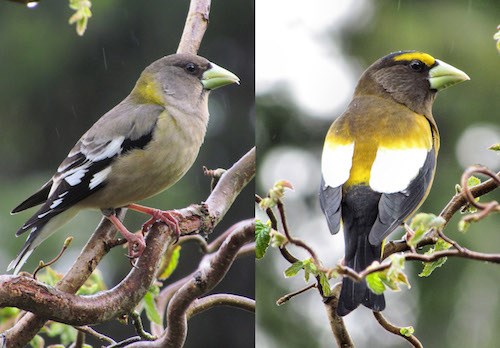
x=89, y=331
x=466, y=192
x=139, y=328
x=396, y=330
x=42, y=264
x=291, y=295
x=293, y=240
x=270, y=214
x=80, y=340
x=125, y=342
x=202, y=242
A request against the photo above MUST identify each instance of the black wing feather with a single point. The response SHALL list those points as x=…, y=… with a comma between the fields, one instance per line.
x=37, y=198
x=329, y=200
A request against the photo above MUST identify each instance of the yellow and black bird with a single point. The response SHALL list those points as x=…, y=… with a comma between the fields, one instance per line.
x=139, y=148
x=379, y=160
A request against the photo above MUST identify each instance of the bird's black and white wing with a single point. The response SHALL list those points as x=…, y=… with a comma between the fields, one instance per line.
x=84, y=171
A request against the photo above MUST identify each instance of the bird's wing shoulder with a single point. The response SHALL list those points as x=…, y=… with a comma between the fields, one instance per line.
x=394, y=208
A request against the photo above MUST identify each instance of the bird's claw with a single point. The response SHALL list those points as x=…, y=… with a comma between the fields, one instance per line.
x=167, y=217
x=136, y=246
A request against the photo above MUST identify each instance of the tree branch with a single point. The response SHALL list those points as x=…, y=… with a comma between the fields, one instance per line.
x=195, y=27
x=29, y=294
x=396, y=330
x=211, y=271
x=196, y=217
x=95, y=249
x=205, y=303
x=337, y=324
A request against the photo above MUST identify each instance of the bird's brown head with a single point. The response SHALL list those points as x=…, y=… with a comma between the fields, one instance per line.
x=411, y=78
x=181, y=76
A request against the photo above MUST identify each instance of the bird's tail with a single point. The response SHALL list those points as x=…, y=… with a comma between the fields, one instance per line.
x=40, y=229
x=355, y=293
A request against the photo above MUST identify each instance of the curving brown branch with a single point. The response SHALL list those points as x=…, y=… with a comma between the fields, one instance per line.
x=396, y=330
x=95, y=249
x=205, y=303
x=29, y=294
x=168, y=292
x=195, y=217
x=206, y=278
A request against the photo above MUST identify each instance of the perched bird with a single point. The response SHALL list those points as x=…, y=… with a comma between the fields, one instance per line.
x=379, y=159
x=139, y=148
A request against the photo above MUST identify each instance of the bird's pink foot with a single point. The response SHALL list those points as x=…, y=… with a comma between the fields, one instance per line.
x=170, y=218
x=136, y=242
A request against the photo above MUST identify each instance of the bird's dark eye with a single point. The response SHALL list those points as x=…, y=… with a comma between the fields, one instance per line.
x=191, y=68
x=416, y=65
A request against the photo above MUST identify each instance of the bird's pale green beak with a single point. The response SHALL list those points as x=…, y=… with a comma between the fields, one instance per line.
x=216, y=77
x=444, y=75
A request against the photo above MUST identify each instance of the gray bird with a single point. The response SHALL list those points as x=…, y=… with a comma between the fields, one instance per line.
x=139, y=148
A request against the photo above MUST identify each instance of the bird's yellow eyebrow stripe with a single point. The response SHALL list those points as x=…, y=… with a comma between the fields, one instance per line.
x=423, y=57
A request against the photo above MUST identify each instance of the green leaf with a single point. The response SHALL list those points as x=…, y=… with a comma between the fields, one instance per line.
x=421, y=223
x=294, y=269
x=8, y=313
x=66, y=334
x=325, y=285
x=309, y=268
x=172, y=263
x=278, y=239
x=429, y=267
x=37, y=342
x=81, y=15
x=497, y=38
x=407, y=331
x=473, y=181
x=495, y=147
x=277, y=192
x=262, y=238
x=93, y=284
x=149, y=304
x=463, y=226
x=375, y=283
x=391, y=277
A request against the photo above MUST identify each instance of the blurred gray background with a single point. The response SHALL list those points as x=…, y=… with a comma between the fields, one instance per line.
x=309, y=56
x=54, y=85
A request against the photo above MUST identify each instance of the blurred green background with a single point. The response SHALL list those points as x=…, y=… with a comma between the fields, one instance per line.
x=54, y=85
x=309, y=55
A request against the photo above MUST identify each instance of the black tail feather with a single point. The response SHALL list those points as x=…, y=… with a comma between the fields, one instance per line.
x=355, y=293
x=359, y=208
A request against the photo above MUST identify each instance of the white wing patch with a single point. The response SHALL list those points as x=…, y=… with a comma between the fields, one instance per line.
x=76, y=177
x=107, y=151
x=393, y=170
x=99, y=177
x=336, y=163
